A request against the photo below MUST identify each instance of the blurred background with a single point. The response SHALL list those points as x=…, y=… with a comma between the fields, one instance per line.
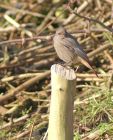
x=27, y=53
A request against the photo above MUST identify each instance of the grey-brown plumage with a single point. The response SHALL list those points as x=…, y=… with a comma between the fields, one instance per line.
x=69, y=50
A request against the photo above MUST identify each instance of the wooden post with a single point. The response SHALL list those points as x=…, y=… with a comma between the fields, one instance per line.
x=63, y=82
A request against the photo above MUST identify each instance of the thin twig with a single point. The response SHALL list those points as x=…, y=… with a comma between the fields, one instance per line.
x=22, y=87
x=27, y=39
x=90, y=19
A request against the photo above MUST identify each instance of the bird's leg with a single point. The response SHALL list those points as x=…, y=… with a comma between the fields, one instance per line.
x=66, y=65
x=60, y=63
x=76, y=69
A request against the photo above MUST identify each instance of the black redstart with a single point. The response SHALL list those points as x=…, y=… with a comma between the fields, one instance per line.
x=69, y=50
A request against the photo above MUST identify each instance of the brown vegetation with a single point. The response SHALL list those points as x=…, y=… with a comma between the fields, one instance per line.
x=27, y=53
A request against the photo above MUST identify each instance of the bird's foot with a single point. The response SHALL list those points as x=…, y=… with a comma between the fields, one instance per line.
x=66, y=65
x=76, y=69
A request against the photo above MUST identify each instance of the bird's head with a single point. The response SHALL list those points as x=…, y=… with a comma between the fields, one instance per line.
x=61, y=31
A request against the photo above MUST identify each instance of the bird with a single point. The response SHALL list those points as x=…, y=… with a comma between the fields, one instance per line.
x=69, y=50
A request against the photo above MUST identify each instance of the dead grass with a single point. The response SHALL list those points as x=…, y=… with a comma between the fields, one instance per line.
x=25, y=67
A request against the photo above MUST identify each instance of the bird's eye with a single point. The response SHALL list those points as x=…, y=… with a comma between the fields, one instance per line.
x=60, y=33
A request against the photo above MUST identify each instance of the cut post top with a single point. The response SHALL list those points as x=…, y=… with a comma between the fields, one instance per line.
x=65, y=72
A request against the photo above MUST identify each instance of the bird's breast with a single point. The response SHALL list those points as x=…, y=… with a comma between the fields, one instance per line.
x=64, y=53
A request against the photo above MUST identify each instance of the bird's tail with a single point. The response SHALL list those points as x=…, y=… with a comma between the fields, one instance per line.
x=89, y=65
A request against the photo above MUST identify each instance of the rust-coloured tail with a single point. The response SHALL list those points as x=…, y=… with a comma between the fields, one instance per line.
x=89, y=65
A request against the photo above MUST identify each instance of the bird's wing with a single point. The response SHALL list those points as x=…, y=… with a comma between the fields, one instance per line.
x=84, y=59
x=76, y=47
x=68, y=43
